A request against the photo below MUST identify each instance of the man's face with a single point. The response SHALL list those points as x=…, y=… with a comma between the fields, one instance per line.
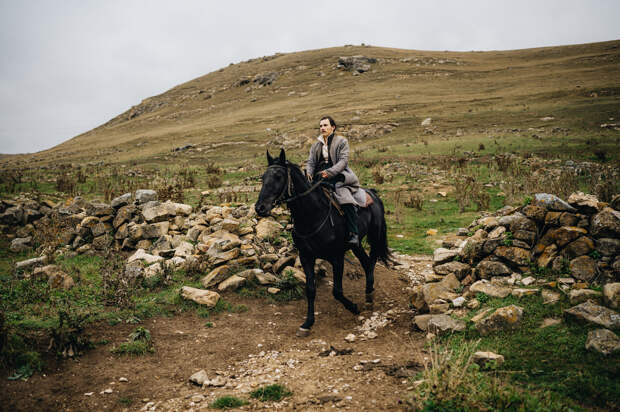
x=325, y=127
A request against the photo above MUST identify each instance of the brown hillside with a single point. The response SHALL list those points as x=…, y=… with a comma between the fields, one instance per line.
x=578, y=85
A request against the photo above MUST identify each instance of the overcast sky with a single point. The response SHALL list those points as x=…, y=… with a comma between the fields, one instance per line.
x=68, y=66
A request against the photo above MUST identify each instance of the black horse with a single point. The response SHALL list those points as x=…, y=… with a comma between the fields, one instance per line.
x=319, y=230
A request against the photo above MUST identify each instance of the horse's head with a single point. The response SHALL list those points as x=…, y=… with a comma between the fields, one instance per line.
x=275, y=180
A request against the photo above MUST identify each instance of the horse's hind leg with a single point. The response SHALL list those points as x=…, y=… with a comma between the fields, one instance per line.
x=338, y=267
x=368, y=263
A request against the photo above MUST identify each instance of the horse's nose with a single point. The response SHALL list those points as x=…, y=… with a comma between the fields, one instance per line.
x=260, y=209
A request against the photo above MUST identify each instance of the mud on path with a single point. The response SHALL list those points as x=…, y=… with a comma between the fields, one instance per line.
x=248, y=350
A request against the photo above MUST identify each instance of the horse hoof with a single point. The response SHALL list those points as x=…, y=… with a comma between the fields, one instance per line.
x=369, y=305
x=302, y=333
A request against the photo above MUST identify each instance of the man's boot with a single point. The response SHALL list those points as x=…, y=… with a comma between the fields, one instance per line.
x=350, y=214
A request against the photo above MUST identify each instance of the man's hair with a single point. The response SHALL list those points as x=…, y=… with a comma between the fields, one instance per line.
x=331, y=121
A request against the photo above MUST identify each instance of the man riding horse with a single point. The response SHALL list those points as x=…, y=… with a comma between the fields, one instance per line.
x=328, y=159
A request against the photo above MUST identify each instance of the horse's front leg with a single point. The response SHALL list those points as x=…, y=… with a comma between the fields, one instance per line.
x=308, y=264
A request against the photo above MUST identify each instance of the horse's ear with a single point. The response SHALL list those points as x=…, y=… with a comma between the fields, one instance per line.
x=269, y=159
x=282, y=156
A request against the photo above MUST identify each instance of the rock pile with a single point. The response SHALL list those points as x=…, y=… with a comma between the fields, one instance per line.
x=356, y=64
x=546, y=248
x=229, y=244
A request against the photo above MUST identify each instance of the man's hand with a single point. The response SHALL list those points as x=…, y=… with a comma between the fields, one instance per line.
x=324, y=174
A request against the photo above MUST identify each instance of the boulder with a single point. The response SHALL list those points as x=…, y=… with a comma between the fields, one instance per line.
x=486, y=287
x=603, y=341
x=224, y=239
x=606, y=223
x=282, y=262
x=216, y=276
x=611, y=295
x=588, y=204
x=576, y=296
x=487, y=269
x=442, y=255
x=217, y=257
x=421, y=321
x=200, y=296
x=123, y=215
x=580, y=247
x=19, y=245
x=267, y=228
x=153, y=270
x=552, y=202
x=250, y=274
x=550, y=297
x=460, y=270
x=145, y=195
x=140, y=254
x=489, y=223
x=536, y=213
x=30, y=263
x=199, y=377
x=121, y=201
x=583, y=268
x=60, y=280
x=444, y=324
x=296, y=273
x=266, y=278
x=529, y=238
x=184, y=249
x=232, y=283
x=497, y=232
x=508, y=317
x=520, y=292
x=547, y=256
x=230, y=225
x=472, y=249
x=103, y=242
x=155, y=230
x=608, y=246
x=593, y=313
x=514, y=255
x=484, y=358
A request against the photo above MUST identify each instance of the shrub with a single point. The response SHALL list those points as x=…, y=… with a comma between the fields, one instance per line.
x=271, y=393
x=225, y=402
x=139, y=343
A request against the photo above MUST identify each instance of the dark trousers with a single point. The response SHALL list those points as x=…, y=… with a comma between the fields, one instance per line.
x=350, y=214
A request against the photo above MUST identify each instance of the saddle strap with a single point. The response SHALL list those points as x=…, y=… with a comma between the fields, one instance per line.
x=333, y=201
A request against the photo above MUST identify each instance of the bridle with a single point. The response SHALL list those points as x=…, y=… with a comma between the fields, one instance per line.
x=288, y=189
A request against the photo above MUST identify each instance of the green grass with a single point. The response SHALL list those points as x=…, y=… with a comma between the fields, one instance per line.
x=552, y=359
x=275, y=392
x=138, y=343
x=226, y=402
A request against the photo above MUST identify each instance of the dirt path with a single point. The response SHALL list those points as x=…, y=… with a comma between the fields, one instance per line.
x=248, y=350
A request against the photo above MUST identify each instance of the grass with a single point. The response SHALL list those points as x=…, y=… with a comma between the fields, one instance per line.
x=552, y=361
x=226, y=402
x=275, y=392
x=139, y=343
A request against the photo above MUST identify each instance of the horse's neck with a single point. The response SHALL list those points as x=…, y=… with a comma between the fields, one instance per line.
x=306, y=207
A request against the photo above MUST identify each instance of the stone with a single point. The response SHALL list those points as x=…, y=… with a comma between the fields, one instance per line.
x=282, y=262
x=437, y=308
x=608, y=246
x=552, y=202
x=350, y=338
x=273, y=291
x=102, y=242
x=497, y=232
x=460, y=270
x=123, y=215
x=234, y=282
x=200, y=296
x=528, y=280
x=603, y=341
x=444, y=324
x=153, y=270
x=121, y=201
x=140, y=254
x=489, y=223
x=520, y=292
x=472, y=249
x=98, y=229
x=250, y=274
x=184, y=249
x=611, y=295
x=486, y=287
x=427, y=122
x=421, y=321
x=266, y=278
x=550, y=297
x=547, y=256
x=60, y=280
x=296, y=273
x=30, y=263
x=536, y=213
x=488, y=268
x=583, y=268
x=484, y=358
x=473, y=304
x=491, y=244
x=225, y=240
x=514, y=255
x=588, y=204
x=458, y=302
x=431, y=232
x=507, y=317
x=593, y=313
x=155, y=230
x=230, y=225
x=606, y=223
x=217, y=257
x=267, y=228
x=145, y=195
x=216, y=276
x=199, y=377
x=481, y=315
x=442, y=255
x=576, y=296
x=19, y=245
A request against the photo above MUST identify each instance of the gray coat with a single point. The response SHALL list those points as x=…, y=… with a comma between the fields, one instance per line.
x=348, y=191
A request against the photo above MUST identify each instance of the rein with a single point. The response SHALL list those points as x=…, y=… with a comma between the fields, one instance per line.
x=288, y=188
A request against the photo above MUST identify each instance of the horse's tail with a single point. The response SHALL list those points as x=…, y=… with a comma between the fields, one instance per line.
x=377, y=234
